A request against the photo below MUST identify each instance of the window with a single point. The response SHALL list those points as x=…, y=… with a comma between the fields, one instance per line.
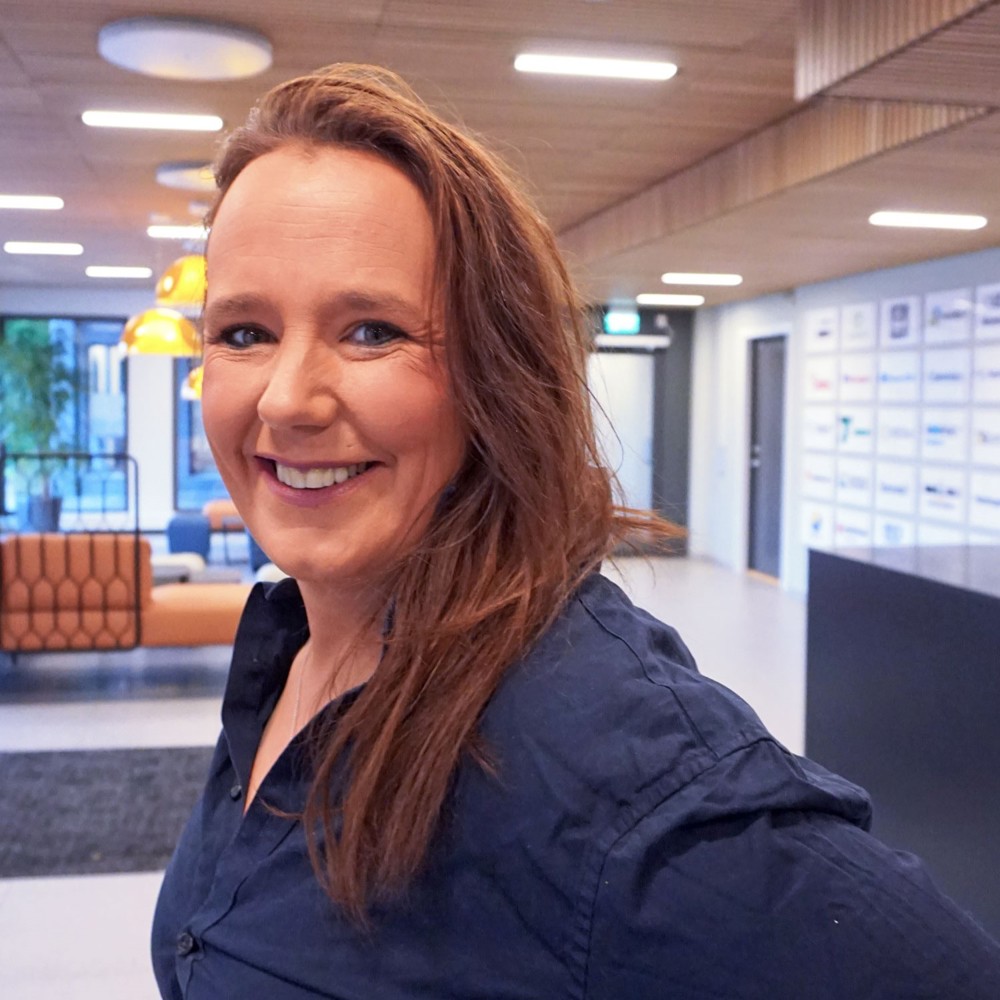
x=74, y=402
x=196, y=478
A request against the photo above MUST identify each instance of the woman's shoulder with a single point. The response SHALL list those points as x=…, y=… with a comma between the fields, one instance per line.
x=610, y=700
x=610, y=669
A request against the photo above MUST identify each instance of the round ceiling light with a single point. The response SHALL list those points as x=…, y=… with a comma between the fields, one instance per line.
x=184, y=48
x=188, y=175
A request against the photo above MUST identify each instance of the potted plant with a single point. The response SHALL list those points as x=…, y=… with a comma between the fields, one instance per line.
x=37, y=388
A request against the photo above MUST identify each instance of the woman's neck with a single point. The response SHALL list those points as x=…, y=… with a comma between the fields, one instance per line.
x=345, y=637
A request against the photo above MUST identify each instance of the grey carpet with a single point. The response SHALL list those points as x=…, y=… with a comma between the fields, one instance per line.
x=86, y=812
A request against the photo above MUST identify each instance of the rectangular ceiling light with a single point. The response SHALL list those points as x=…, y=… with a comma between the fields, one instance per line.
x=195, y=232
x=114, y=271
x=927, y=220
x=53, y=249
x=40, y=202
x=694, y=278
x=621, y=69
x=142, y=119
x=669, y=299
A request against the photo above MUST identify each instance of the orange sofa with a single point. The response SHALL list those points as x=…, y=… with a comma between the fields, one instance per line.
x=94, y=591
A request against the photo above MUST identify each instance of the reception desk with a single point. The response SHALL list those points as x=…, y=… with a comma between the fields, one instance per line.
x=903, y=697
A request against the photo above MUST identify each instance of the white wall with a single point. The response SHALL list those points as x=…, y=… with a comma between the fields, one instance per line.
x=151, y=436
x=720, y=423
x=622, y=387
x=720, y=408
x=150, y=397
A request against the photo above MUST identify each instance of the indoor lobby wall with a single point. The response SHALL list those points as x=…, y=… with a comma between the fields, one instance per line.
x=720, y=401
x=720, y=405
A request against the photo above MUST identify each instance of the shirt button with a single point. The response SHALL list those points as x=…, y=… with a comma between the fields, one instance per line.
x=185, y=943
x=236, y=791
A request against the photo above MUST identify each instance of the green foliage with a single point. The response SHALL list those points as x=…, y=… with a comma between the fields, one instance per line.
x=37, y=384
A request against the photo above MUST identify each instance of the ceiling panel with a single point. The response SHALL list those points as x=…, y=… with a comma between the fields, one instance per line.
x=585, y=147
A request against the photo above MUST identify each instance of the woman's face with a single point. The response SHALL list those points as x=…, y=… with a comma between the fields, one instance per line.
x=329, y=414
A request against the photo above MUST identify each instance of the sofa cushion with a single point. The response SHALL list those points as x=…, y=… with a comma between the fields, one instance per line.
x=57, y=631
x=71, y=591
x=193, y=614
x=90, y=570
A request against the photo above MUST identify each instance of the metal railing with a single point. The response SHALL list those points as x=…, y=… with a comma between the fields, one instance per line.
x=70, y=566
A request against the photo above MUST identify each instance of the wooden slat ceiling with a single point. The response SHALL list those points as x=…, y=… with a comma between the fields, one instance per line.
x=838, y=38
x=965, y=59
x=588, y=149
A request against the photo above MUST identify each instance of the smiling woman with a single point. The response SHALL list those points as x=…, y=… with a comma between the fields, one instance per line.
x=325, y=403
x=457, y=762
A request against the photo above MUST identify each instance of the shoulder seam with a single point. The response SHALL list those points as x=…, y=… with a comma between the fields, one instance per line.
x=638, y=659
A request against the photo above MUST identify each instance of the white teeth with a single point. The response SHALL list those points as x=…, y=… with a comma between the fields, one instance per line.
x=316, y=479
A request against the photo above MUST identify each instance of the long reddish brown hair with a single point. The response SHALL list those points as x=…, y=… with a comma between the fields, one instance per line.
x=529, y=515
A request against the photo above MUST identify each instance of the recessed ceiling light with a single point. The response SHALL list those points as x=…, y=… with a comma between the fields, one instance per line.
x=623, y=69
x=694, y=278
x=188, y=175
x=184, y=48
x=160, y=232
x=669, y=299
x=114, y=271
x=927, y=220
x=152, y=120
x=41, y=202
x=54, y=249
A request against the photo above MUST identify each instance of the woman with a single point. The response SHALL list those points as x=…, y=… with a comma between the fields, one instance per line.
x=456, y=762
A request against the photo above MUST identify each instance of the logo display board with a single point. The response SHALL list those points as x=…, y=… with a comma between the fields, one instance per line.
x=900, y=431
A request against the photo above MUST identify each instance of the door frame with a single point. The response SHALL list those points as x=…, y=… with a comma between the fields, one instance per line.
x=743, y=526
x=752, y=345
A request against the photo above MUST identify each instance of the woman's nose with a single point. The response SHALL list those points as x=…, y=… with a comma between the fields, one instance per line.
x=301, y=386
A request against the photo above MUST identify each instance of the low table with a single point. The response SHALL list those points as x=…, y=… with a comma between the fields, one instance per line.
x=176, y=567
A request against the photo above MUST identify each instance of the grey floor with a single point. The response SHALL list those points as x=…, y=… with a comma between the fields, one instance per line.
x=86, y=938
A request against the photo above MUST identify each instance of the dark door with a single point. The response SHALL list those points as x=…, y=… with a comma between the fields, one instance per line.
x=767, y=407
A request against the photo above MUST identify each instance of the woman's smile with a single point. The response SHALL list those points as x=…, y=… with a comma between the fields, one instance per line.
x=310, y=485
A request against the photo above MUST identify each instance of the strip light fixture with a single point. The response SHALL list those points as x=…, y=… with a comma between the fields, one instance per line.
x=38, y=202
x=162, y=232
x=694, y=278
x=620, y=69
x=927, y=220
x=669, y=299
x=49, y=249
x=152, y=120
x=115, y=271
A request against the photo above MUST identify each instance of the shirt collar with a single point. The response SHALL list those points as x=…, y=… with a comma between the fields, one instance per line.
x=272, y=630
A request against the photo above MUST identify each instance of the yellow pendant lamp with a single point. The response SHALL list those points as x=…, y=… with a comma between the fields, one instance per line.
x=182, y=285
x=161, y=331
x=191, y=389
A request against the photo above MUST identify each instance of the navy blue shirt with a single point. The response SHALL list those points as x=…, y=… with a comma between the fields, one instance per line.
x=645, y=838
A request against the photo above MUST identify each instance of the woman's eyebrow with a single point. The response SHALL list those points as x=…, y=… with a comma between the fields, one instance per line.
x=363, y=301
x=233, y=305
x=355, y=300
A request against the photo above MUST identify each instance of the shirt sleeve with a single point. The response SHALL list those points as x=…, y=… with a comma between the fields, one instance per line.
x=777, y=905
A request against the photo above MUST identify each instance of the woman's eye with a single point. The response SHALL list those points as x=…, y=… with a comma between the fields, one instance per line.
x=242, y=336
x=374, y=334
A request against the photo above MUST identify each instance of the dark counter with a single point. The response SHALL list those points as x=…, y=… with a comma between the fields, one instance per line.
x=903, y=697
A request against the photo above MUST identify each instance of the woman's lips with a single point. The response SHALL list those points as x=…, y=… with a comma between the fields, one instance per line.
x=307, y=485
